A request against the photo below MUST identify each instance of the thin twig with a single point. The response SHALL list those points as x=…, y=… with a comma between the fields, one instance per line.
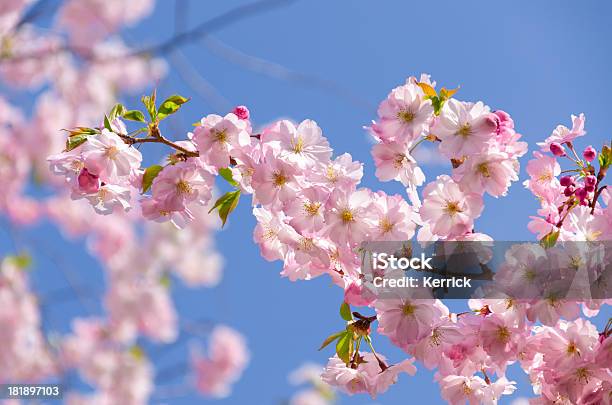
x=201, y=30
x=159, y=139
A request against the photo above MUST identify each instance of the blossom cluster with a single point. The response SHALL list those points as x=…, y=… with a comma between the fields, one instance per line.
x=73, y=69
x=313, y=215
x=570, y=205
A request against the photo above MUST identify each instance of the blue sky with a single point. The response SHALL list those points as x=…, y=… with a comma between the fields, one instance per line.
x=539, y=61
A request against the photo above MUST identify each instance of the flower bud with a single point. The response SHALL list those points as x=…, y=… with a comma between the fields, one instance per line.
x=589, y=189
x=242, y=112
x=589, y=153
x=569, y=190
x=590, y=180
x=566, y=181
x=491, y=123
x=88, y=182
x=557, y=149
x=581, y=193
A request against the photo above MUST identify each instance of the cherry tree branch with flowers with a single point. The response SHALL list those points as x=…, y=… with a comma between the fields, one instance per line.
x=313, y=216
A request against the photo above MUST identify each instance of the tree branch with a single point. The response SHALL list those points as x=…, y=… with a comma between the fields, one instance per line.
x=207, y=27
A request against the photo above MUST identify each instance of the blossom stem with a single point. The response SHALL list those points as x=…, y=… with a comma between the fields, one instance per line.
x=158, y=138
x=413, y=147
x=381, y=363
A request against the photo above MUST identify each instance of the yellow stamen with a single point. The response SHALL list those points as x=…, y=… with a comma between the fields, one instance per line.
x=183, y=187
x=385, y=225
x=399, y=160
x=297, y=145
x=347, y=215
x=220, y=136
x=503, y=334
x=572, y=349
x=111, y=152
x=465, y=130
x=408, y=309
x=452, y=208
x=583, y=375
x=312, y=208
x=484, y=170
x=331, y=174
x=279, y=179
x=405, y=116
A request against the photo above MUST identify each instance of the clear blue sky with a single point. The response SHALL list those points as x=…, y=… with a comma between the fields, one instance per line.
x=540, y=61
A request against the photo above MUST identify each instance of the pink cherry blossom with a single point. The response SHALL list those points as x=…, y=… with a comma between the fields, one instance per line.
x=448, y=209
x=347, y=216
x=367, y=377
x=464, y=128
x=307, y=209
x=303, y=145
x=109, y=198
x=182, y=183
x=216, y=136
x=562, y=134
x=275, y=180
x=404, y=115
x=224, y=363
x=108, y=157
x=457, y=389
x=491, y=172
x=393, y=217
x=394, y=162
x=407, y=321
x=340, y=172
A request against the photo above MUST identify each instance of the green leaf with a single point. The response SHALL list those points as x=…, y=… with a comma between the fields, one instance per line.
x=21, y=261
x=226, y=173
x=75, y=141
x=117, y=111
x=165, y=280
x=228, y=206
x=550, y=239
x=137, y=352
x=170, y=106
x=149, y=175
x=344, y=347
x=331, y=338
x=81, y=131
x=345, y=312
x=134, y=115
x=149, y=103
x=605, y=157
x=220, y=201
x=107, y=124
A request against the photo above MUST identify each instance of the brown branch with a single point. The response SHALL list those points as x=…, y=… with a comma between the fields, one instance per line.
x=207, y=27
x=159, y=138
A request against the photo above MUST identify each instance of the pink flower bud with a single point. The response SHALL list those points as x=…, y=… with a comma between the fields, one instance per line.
x=589, y=189
x=557, y=149
x=491, y=123
x=569, y=190
x=242, y=112
x=503, y=116
x=581, y=193
x=590, y=180
x=589, y=153
x=88, y=182
x=566, y=181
